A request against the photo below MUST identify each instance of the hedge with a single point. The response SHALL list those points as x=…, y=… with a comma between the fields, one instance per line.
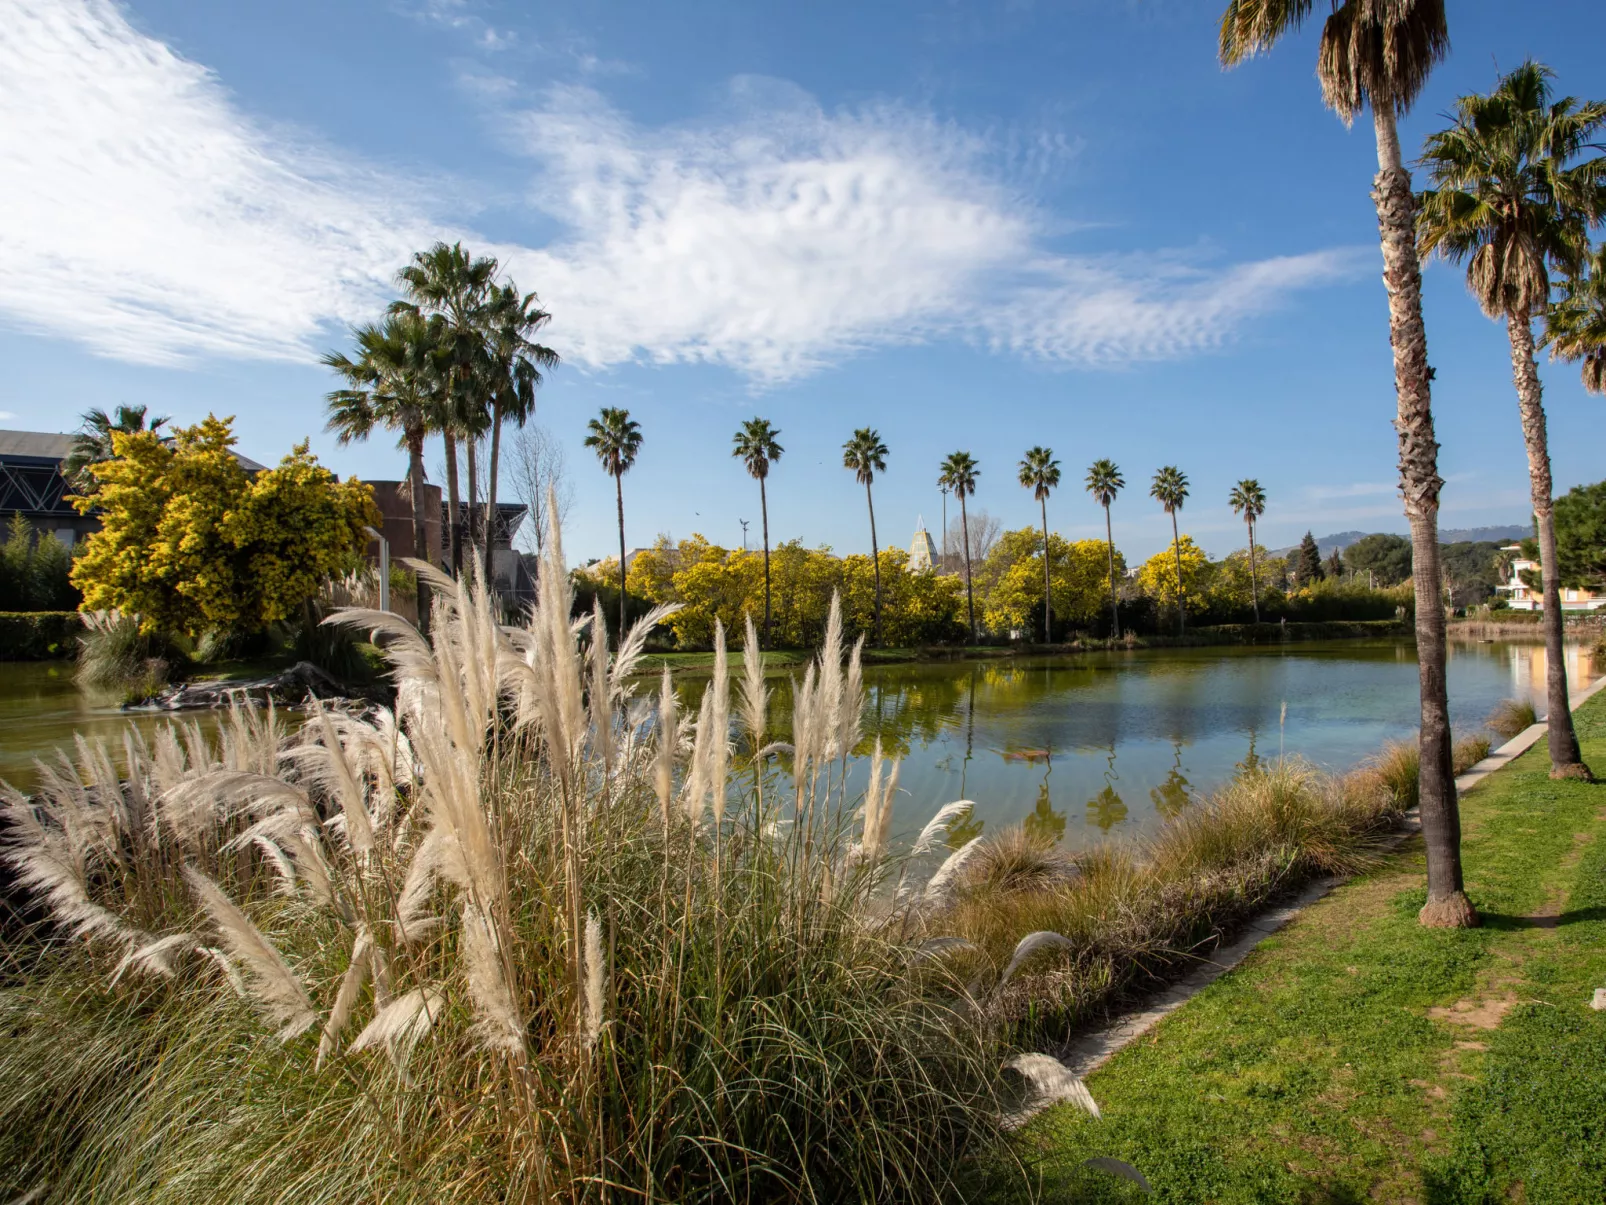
x=39, y=635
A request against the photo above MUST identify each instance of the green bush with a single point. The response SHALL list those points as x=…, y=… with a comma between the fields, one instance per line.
x=39, y=635
x=34, y=571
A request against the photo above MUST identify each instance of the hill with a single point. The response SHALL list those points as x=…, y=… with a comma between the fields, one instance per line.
x=1447, y=535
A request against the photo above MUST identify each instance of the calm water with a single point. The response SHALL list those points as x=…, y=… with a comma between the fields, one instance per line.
x=1099, y=742
x=1110, y=741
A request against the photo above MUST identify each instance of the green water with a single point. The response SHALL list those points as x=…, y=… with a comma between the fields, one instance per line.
x=1076, y=746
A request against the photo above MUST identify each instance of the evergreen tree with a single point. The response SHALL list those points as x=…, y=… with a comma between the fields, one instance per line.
x=1334, y=567
x=1308, y=565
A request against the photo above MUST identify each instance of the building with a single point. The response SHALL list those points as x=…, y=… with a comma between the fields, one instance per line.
x=1523, y=597
x=922, y=552
x=31, y=484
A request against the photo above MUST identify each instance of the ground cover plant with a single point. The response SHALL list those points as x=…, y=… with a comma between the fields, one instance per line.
x=1357, y=1055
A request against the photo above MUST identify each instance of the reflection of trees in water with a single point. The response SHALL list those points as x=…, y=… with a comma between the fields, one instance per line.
x=1107, y=808
x=1044, y=824
x=1252, y=760
x=968, y=827
x=1171, y=796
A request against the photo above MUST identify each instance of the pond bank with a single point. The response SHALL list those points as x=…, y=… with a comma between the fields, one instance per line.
x=1355, y=1055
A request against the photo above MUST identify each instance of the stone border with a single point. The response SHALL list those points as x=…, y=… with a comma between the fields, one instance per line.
x=1090, y=1052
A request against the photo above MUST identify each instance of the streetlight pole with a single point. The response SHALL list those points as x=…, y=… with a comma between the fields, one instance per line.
x=384, y=567
x=744, y=523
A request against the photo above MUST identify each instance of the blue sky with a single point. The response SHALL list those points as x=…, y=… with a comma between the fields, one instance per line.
x=978, y=226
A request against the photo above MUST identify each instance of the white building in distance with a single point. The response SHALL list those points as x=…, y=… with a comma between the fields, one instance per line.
x=922, y=552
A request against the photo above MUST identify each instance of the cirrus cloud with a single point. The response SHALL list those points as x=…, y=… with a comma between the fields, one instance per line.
x=152, y=220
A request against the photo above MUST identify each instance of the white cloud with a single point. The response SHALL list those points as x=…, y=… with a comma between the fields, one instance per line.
x=156, y=221
x=143, y=216
x=7, y=417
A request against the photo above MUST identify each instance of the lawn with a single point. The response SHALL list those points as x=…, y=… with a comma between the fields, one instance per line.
x=1356, y=1056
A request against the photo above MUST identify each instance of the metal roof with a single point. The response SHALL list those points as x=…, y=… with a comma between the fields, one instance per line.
x=52, y=445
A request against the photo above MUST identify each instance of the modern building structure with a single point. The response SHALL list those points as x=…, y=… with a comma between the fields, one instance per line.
x=1523, y=597
x=922, y=552
x=31, y=484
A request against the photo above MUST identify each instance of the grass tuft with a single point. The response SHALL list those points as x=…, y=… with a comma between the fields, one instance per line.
x=1511, y=717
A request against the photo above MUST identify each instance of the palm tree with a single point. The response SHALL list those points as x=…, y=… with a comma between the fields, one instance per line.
x=616, y=439
x=866, y=455
x=93, y=444
x=514, y=362
x=1249, y=500
x=1575, y=328
x=1378, y=54
x=757, y=446
x=958, y=473
x=1040, y=473
x=1507, y=203
x=1104, y=482
x=1170, y=490
x=449, y=283
x=394, y=383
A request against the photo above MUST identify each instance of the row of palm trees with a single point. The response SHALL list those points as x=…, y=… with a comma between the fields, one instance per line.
x=1509, y=201
x=456, y=355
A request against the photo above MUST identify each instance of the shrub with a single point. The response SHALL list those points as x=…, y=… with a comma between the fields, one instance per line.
x=39, y=635
x=34, y=570
x=1511, y=717
x=117, y=653
x=516, y=942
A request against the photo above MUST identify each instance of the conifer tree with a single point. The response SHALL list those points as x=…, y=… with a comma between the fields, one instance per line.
x=1308, y=566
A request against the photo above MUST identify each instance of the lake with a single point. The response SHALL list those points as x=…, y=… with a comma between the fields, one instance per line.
x=1081, y=745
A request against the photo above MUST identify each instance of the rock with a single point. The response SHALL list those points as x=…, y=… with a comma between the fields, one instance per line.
x=1598, y=1002
x=291, y=687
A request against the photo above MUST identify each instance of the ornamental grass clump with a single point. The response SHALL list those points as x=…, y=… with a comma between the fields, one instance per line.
x=525, y=938
x=1512, y=717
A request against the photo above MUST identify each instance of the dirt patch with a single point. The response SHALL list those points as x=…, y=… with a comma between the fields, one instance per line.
x=1476, y=1014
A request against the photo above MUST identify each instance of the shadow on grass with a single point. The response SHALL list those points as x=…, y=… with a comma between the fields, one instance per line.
x=1499, y=920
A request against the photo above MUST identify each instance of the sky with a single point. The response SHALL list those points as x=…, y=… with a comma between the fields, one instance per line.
x=971, y=226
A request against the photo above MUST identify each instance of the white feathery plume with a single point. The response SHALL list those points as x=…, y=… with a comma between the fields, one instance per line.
x=282, y=865
x=275, y=990
x=720, y=717
x=168, y=765
x=497, y=1024
x=342, y=780
x=196, y=748
x=805, y=736
x=601, y=705
x=153, y=957
x=1053, y=1081
x=937, y=827
x=1043, y=939
x=226, y=965
x=663, y=775
x=755, y=696
x=1115, y=1167
x=400, y=1025
x=940, y=888
x=864, y=849
x=346, y=998
x=936, y=947
x=696, y=790
x=848, y=718
x=633, y=646
x=828, y=701
x=52, y=861
x=595, y=975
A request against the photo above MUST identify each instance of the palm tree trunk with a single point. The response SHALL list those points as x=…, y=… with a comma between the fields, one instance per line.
x=875, y=561
x=1254, y=582
x=619, y=495
x=764, y=511
x=970, y=595
x=1176, y=551
x=416, y=497
x=1109, y=541
x=490, y=493
x=1566, y=760
x=1048, y=582
x=455, y=539
x=1447, y=904
x=470, y=442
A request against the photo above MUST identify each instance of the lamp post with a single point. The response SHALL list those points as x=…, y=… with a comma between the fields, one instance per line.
x=384, y=567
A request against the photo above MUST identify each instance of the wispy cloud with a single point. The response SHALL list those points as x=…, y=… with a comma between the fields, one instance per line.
x=1356, y=489
x=7, y=417
x=461, y=17
x=148, y=218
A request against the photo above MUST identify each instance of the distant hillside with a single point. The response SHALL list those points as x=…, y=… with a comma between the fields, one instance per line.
x=1447, y=535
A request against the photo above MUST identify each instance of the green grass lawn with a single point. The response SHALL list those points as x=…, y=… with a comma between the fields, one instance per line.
x=1357, y=1056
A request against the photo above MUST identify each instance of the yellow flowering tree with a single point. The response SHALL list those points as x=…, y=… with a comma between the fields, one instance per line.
x=1080, y=572
x=1158, y=576
x=190, y=541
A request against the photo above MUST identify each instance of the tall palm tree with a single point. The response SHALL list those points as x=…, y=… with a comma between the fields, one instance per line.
x=1170, y=490
x=866, y=455
x=758, y=447
x=616, y=438
x=514, y=362
x=1040, y=473
x=93, y=443
x=449, y=283
x=1249, y=500
x=394, y=382
x=1378, y=54
x=1575, y=328
x=1506, y=202
x=958, y=473
x=1104, y=482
